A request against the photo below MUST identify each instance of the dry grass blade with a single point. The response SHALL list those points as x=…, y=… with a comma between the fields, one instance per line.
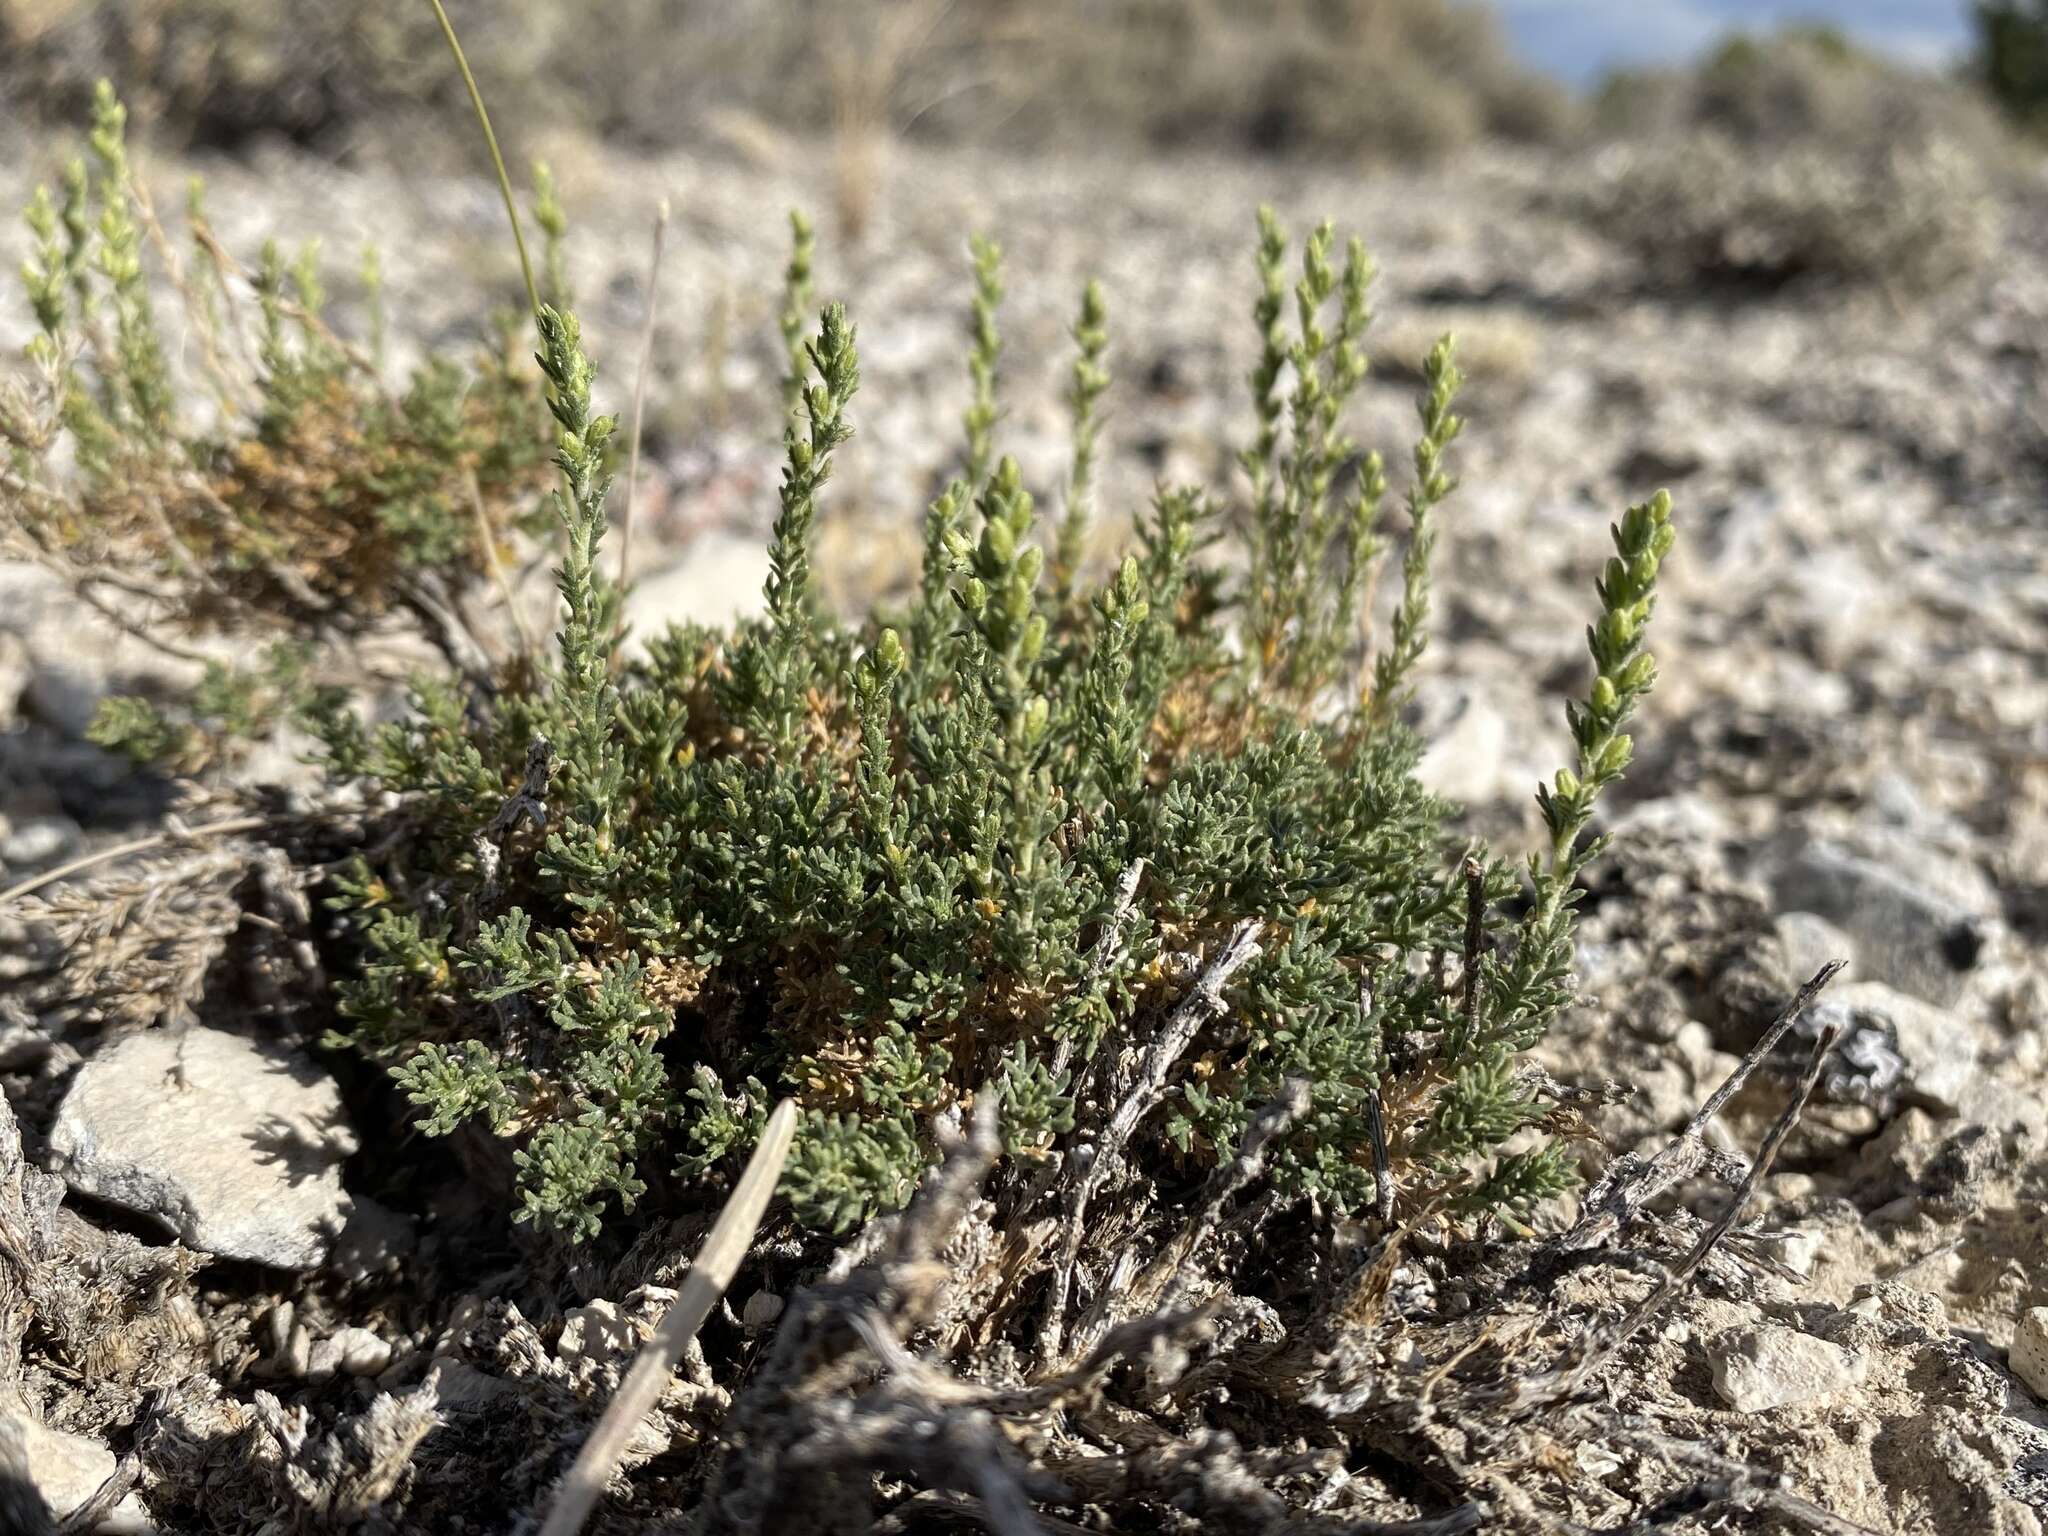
x=717, y=1261
x=125, y=850
x=640, y=395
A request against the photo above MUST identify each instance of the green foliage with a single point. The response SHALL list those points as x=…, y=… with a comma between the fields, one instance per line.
x=797, y=292
x=983, y=355
x=553, y=220
x=891, y=867
x=313, y=498
x=1084, y=396
x=2012, y=57
x=227, y=706
x=606, y=908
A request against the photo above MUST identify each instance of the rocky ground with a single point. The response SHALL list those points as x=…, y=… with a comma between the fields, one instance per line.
x=1847, y=758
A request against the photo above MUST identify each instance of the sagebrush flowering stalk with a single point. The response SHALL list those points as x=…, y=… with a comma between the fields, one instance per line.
x=984, y=354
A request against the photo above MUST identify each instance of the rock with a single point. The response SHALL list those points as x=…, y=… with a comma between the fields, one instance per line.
x=596, y=1333
x=762, y=1309
x=718, y=579
x=1795, y=1250
x=1759, y=1369
x=34, y=840
x=1913, y=930
x=63, y=1469
x=1902, y=1044
x=234, y=1144
x=361, y=1352
x=1810, y=941
x=2029, y=1354
x=1467, y=752
x=323, y=1361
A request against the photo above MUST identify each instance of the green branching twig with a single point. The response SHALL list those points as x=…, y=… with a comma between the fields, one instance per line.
x=983, y=356
x=1084, y=393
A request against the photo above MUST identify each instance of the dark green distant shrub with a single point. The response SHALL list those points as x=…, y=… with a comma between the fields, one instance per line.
x=608, y=909
x=2012, y=57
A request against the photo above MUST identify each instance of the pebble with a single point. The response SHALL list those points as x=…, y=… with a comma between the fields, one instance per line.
x=1796, y=1251
x=1759, y=1369
x=762, y=1309
x=595, y=1333
x=235, y=1145
x=62, y=1470
x=2029, y=1353
x=361, y=1352
x=1916, y=935
x=34, y=840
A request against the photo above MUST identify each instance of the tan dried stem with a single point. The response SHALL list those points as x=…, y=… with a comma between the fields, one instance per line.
x=717, y=1262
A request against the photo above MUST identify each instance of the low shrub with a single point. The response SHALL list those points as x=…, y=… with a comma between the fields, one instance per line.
x=1032, y=839
x=2012, y=57
x=1797, y=156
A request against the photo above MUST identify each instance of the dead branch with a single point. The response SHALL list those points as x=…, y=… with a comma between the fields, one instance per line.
x=1631, y=1182
x=1135, y=1096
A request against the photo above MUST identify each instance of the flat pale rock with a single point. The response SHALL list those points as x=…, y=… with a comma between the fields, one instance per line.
x=2029, y=1355
x=1758, y=1369
x=1467, y=756
x=64, y=1470
x=718, y=578
x=234, y=1144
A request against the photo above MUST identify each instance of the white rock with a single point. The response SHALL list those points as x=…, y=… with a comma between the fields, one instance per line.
x=2029, y=1354
x=1759, y=1369
x=1467, y=754
x=595, y=1333
x=39, y=840
x=719, y=578
x=1795, y=1250
x=361, y=1352
x=64, y=1469
x=234, y=1144
x=1941, y=1050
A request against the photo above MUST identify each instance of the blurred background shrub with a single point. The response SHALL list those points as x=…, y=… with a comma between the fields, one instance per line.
x=1312, y=77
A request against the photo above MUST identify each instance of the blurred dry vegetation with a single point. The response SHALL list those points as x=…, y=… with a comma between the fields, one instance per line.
x=1876, y=173
x=1395, y=77
x=1797, y=155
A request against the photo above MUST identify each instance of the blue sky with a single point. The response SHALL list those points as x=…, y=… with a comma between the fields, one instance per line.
x=1581, y=39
